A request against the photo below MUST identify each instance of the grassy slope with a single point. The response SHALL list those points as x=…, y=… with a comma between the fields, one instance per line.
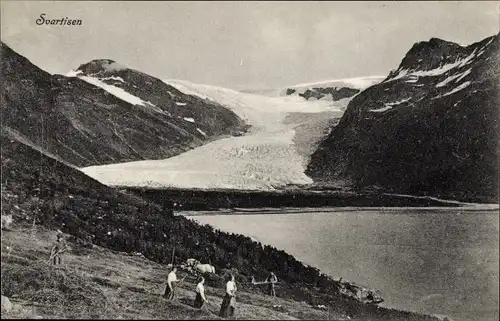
x=96, y=283
x=100, y=283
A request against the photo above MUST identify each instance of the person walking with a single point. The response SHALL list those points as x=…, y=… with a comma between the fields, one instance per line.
x=170, y=288
x=228, y=305
x=200, y=294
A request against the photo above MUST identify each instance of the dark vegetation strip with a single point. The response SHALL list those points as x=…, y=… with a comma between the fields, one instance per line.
x=203, y=200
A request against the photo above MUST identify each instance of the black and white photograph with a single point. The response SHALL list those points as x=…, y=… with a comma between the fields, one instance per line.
x=250, y=160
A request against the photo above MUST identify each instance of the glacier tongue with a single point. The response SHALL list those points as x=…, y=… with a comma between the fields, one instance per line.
x=265, y=158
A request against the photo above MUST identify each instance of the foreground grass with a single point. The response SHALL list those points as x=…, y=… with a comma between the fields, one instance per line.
x=100, y=284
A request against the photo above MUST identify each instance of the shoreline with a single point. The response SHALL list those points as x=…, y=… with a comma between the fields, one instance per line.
x=215, y=200
x=203, y=217
x=491, y=209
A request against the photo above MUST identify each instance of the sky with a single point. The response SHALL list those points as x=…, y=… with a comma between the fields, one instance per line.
x=241, y=45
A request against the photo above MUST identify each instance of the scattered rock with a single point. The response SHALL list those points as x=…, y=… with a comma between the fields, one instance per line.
x=6, y=222
x=321, y=307
x=6, y=305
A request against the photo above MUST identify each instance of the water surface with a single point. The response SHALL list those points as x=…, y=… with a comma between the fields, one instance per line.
x=442, y=261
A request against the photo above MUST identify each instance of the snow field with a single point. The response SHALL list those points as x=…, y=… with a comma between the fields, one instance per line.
x=264, y=159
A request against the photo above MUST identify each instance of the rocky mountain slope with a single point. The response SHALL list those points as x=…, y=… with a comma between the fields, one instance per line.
x=431, y=127
x=332, y=89
x=105, y=113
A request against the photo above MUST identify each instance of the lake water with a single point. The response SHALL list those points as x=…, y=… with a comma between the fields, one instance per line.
x=443, y=262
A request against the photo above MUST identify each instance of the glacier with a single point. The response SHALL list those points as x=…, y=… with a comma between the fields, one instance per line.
x=273, y=153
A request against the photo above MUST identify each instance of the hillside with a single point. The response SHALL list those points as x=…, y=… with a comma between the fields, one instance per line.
x=43, y=194
x=106, y=114
x=430, y=128
x=97, y=283
x=100, y=283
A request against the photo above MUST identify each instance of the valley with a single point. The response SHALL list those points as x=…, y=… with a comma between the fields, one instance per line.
x=349, y=150
x=272, y=154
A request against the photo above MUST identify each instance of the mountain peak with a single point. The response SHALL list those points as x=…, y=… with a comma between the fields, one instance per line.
x=100, y=65
x=440, y=103
x=441, y=42
x=434, y=44
x=427, y=55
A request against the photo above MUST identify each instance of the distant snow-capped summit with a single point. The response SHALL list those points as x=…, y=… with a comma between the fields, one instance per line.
x=355, y=82
x=332, y=89
x=100, y=65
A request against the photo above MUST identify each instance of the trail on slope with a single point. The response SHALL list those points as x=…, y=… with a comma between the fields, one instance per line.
x=273, y=153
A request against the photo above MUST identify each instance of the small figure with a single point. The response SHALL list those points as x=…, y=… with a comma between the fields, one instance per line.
x=170, y=288
x=200, y=293
x=272, y=279
x=270, y=282
x=57, y=249
x=228, y=305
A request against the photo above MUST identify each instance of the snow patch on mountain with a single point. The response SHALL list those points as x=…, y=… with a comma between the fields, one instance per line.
x=116, y=91
x=120, y=79
x=447, y=80
x=380, y=110
x=436, y=71
x=388, y=106
x=74, y=73
x=201, y=132
x=457, y=89
x=467, y=72
x=457, y=77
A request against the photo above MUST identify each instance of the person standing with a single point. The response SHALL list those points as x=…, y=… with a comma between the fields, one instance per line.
x=200, y=293
x=170, y=288
x=228, y=305
x=272, y=280
x=57, y=249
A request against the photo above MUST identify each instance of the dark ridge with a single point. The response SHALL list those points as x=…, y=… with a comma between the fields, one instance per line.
x=435, y=135
x=86, y=125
